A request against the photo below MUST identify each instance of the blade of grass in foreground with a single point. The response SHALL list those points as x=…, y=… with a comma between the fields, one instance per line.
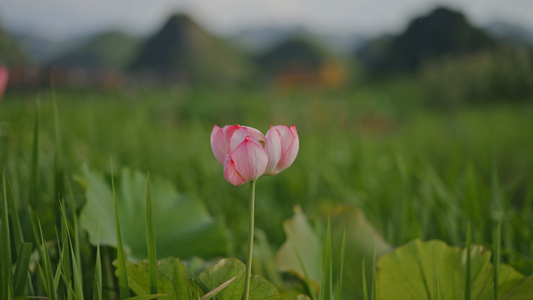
x=78, y=283
x=59, y=170
x=373, y=290
x=75, y=234
x=497, y=250
x=65, y=260
x=150, y=238
x=48, y=277
x=325, y=289
x=121, y=260
x=40, y=281
x=5, y=241
x=498, y=209
x=468, y=276
x=20, y=278
x=97, y=289
x=339, y=282
x=365, y=290
x=214, y=292
x=34, y=188
x=18, y=238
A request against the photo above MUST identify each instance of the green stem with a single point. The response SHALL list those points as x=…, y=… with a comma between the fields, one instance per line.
x=250, y=242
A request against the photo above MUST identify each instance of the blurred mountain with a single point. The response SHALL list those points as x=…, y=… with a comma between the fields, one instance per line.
x=510, y=33
x=184, y=49
x=293, y=53
x=41, y=50
x=10, y=51
x=258, y=40
x=110, y=50
x=343, y=43
x=443, y=32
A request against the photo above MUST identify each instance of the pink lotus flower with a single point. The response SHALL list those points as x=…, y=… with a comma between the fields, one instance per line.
x=246, y=153
x=240, y=150
x=282, y=147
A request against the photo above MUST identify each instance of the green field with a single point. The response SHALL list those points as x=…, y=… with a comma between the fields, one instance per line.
x=415, y=172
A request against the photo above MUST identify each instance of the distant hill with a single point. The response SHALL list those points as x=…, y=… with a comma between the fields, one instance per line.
x=110, y=50
x=441, y=32
x=293, y=54
x=509, y=33
x=181, y=47
x=257, y=40
x=261, y=39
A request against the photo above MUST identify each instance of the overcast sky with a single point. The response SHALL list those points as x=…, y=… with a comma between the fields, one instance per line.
x=70, y=18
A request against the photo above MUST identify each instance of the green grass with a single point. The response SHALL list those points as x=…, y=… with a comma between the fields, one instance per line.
x=415, y=172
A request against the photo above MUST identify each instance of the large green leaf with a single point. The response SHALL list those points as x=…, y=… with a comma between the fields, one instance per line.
x=302, y=241
x=226, y=269
x=182, y=224
x=172, y=279
x=434, y=270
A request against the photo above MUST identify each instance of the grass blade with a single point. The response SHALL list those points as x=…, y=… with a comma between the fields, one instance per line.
x=5, y=241
x=365, y=290
x=341, y=266
x=146, y=297
x=498, y=209
x=373, y=290
x=121, y=260
x=59, y=170
x=497, y=257
x=65, y=259
x=75, y=233
x=150, y=238
x=18, y=238
x=326, y=287
x=47, y=276
x=214, y=292
x=61, y=269
x=97, y=294
x=468, y=275
x=20, y=279
x=34, y=184
x=78, y=284
x=67, y=244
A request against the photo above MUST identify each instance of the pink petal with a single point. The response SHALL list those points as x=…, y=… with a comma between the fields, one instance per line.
x=291, y=151
x=219, y=144
x=287, y=135
x=273, y=150
x=228, y=132
x=288, y=157
x=231, y=174
x=237, y=138
x=257, y=134
x=250, y=159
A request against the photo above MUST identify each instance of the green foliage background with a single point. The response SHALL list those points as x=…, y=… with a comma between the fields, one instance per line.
x=415, y=172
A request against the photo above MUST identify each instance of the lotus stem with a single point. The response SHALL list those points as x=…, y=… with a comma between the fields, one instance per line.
x=250, y=242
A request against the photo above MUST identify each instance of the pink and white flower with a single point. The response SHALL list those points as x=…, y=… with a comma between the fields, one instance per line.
x=282, y=147
x=246, y=153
